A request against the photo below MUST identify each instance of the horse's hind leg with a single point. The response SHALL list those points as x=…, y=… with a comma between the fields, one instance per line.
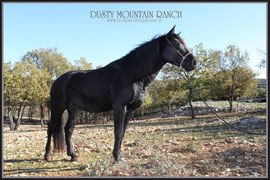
x=54, y=121
x=127, y=118
x=48, y=145
x=68, y=131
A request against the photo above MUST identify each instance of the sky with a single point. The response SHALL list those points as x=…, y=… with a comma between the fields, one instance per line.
x=74, y=30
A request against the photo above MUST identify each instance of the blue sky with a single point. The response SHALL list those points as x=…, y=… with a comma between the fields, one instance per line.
x=68, y=27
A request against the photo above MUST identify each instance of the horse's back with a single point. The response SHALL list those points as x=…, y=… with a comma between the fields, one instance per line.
x=88, y=90
x=97, y=90
x=60, y=90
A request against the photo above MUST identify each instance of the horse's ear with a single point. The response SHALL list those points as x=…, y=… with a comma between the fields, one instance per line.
x=171, y=32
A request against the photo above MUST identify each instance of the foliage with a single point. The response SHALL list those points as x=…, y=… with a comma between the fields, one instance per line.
x=17, y=89
x=262, y=64
x=44, y=66
x=165, y=92
x=28, y=82
x=99, y=66
x=260, y=92
x=200, y=77
x=82, y=64
x=233, y=79
x=49, y=60
x=218, y=75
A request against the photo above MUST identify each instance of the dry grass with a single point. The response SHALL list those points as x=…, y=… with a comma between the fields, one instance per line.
x=154, y=147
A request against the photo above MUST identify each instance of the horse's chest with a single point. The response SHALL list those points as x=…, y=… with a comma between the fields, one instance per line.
x=139, y=93
x=140, y=96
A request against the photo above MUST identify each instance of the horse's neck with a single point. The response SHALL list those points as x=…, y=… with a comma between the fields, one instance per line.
x=147, y=72
x=143, y=63
x=148, y=79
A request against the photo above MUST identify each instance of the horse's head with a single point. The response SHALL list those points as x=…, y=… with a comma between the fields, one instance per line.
x=176, y=52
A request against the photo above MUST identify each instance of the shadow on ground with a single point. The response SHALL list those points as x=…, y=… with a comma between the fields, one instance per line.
x=10, y=172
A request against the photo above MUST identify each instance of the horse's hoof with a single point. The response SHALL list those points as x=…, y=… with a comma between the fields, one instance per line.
x=117, y=157
x=117, y=160
x=47, y=158
x=74, y=158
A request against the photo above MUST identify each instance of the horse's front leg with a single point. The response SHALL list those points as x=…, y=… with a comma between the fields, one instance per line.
x=119, y=116
x=68, y=131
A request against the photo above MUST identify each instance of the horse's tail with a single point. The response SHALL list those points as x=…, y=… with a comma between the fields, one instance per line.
x=57, y=104
x=59, y=137
x=56, y=127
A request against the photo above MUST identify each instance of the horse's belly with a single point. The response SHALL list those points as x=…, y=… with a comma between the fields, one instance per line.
x=94, y=105
x=99, y=108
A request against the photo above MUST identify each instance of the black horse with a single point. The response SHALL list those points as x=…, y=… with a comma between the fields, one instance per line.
x=120, y=86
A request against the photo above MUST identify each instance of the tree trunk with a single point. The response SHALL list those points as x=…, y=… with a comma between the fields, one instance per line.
x=142, y=112
x=238, y=104
x=85, y=117
x=95, y=118
x=31, y=111
x=42, y=114
x=19, y=118
x=11, y=119
x=169, y=107
x=190, y=103
x=231, y=96
x=231, y=105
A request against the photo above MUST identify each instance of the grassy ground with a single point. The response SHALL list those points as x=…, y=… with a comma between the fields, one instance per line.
x=177, y=146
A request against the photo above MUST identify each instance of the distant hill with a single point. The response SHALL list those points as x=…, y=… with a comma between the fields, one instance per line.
x=262, y=83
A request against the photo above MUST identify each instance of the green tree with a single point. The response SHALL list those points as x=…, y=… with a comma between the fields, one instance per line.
x=82, y=64
x=146, y=105
x=234, y=78
x=262, y=63
x=99, y=66
x=261, y=92
x=156, y=92
x=40, y=87
x=48, y=59
x=46, y=65
x=200, y=77
x=9, y=95
x=16, y=83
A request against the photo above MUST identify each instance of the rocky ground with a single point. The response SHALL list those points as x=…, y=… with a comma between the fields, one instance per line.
x=168, y=147
x=201, y=109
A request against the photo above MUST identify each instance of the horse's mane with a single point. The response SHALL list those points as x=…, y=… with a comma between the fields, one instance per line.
x=143, y=46
x=144, y=59
x=181, y=40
